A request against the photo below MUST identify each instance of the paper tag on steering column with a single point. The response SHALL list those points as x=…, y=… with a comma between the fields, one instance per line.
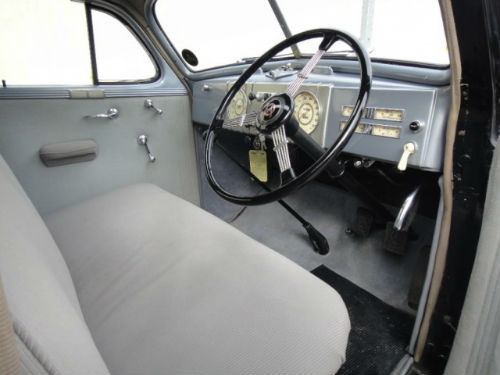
x=258, y=164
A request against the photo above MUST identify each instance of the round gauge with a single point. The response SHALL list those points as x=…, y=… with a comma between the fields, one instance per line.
x=306, y=111
x=238, y=105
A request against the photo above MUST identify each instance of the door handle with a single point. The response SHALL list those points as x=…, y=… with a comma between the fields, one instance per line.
x=110, y=114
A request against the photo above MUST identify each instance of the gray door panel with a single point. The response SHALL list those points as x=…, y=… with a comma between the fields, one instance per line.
x=27, y=124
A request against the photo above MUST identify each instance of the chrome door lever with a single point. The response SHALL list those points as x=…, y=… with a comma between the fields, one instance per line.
x=148, y=103
x=143, y=141
x=110, y=114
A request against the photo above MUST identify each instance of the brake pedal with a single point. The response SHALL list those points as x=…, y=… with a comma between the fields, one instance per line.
x=363, y=223
x=395, y=240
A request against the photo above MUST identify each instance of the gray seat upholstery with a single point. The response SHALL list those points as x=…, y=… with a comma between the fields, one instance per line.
x=166, y=288
x=52, y=335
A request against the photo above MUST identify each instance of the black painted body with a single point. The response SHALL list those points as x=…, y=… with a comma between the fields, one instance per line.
x=477, y=31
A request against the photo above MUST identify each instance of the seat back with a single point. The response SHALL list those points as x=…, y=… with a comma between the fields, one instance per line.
x=51, y=333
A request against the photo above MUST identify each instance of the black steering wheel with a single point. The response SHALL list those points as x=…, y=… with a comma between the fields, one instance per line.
x=275, y=118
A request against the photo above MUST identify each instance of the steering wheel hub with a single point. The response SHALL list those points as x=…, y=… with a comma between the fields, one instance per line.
x=274, y=112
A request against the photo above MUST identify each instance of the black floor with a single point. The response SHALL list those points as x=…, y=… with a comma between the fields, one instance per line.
x=379, y=332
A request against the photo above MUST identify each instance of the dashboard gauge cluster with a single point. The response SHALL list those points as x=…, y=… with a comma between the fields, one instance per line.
x=360, y=129
x=307, y=111
x=238, y=105
x=386, y=114
x=310, y=106
x=372, y=113
x=386, y=131
x=375, y=129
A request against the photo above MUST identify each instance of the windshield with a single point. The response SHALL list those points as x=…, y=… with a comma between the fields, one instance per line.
x=222, y=32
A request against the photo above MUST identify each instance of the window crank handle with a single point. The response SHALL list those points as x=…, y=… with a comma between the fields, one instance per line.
x=148, y=103
x=143, y=141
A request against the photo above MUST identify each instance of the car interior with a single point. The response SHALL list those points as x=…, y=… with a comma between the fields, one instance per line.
x=212, y=206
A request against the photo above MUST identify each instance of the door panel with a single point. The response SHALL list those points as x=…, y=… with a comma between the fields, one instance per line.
x=28, y=124
x=33, y=115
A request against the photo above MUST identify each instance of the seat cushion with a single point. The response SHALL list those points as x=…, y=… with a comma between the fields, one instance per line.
x=50, y=328
x=167, y=288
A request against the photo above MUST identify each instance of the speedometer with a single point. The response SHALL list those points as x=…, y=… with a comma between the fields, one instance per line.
x=238, y=105
x=306, y=111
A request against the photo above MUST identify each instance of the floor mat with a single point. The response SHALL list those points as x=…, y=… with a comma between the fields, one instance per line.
x=379, y=333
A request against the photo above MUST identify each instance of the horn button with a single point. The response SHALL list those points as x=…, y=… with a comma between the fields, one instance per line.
x=274, y=112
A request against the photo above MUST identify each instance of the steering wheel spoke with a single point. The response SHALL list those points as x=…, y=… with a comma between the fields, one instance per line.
x=304, y=73
x=245, y=120
x=280, y=142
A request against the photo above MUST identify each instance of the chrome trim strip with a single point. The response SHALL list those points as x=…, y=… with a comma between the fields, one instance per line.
x=129, y=92
x=122, y=92
x=30, y=93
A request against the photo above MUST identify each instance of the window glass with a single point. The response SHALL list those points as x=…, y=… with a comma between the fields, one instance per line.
x=222, y=32
x=44, y=42
x=219, y=32
x=119, y=55
x=405, y=30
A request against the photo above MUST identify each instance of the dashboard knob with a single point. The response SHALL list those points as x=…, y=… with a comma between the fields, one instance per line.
x=416, y=126
x=408, y=149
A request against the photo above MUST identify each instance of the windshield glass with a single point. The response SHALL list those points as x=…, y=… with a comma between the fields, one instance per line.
x=222, y=32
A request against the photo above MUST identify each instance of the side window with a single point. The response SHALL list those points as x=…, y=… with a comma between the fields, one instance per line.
x=46, y=42
x=120, y=57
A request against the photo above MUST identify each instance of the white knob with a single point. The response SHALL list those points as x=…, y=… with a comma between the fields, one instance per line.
x=408, y=149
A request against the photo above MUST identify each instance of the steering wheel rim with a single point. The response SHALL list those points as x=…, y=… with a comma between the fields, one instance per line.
x=330, y=36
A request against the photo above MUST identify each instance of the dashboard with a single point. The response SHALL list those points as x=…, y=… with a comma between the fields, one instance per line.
x=398, y=113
